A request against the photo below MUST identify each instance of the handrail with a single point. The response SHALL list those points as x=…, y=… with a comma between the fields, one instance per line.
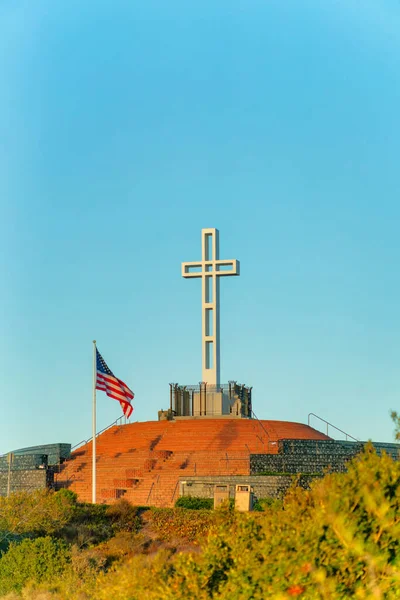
x=151, y=489
x=79, y=443
x=245, y=458
x=173, y=495
x=108, y=427
x=330, y=425
x=116, y=422
x=261, y=425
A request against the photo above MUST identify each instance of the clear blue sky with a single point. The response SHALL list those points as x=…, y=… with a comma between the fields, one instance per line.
x=126, y=127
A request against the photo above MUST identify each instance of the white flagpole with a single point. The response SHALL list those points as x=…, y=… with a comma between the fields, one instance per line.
x=94, y=426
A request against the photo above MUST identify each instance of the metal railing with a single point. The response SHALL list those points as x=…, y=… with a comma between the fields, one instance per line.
x=330, y=425
x=191, y=400
x=174, y=492
x=263, y=428
x=151, y=489
x=116, y=422
x=66, y=462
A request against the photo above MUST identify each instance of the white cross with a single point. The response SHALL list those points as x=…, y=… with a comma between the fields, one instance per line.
x=210, y=269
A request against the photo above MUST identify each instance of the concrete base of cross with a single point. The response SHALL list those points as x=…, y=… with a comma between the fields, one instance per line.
x=229, y=400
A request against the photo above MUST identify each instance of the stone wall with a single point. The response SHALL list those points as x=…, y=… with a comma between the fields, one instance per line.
x=272, y=474
x=25, y=480
x=22, y=463
x=29, y=469
x=56, y=453
x=265, y=486
x=313, y=456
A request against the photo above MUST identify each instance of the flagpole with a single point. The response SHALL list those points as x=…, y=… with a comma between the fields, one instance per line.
x=94, y=426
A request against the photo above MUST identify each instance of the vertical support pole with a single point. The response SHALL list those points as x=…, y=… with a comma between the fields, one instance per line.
x=201, y=386
x=216, y=331
x=210, y=269
x=210, y=306
x=206, y=295
x=170, y=397
x=94, y=425
x=200, y=397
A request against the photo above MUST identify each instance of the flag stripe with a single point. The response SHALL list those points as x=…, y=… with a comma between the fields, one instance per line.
x=117, y=383
x=112, y=384
x=116, y=395
x=114, y=380
x=114, y=388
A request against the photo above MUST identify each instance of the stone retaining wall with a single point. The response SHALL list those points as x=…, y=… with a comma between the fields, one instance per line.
x=269, y=486
x=23, y=463
x=56, y=453
x=27, y=480
x=313, y=456
x=32, y=468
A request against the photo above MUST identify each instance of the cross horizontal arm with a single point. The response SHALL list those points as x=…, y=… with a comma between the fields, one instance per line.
x=210, y=267
x=220, y=267
x=188, y=269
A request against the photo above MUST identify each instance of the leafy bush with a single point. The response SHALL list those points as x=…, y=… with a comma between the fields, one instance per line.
x=88, y=525
x=69, y=495
x=338, y=540
x=262, y=504
x=396, y=420
x=195, y=503
x=95, y=523
x=124, y=516
x=41, y=512
x=36, y=560
x=173, y=523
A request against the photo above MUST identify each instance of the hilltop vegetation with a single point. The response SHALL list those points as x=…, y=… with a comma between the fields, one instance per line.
x=341, y=539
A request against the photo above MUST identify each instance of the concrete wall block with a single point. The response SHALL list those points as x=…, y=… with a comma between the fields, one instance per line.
x=270, y=463
x=269, y=486
x=23, y=463
x=28, y=481
x=313, y=456
x=318, y=447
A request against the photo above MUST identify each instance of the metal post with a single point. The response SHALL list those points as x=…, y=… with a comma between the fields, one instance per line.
x=94, y=425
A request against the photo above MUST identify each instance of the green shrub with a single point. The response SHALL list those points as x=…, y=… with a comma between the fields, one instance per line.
x=338, y=540
x=69, y=495
x=41, y=559
x=88, y=525
x=195, y=503
x=95, y=523
x=262, y=504
x=41, y=512
x=124, y=516
x=181, y=523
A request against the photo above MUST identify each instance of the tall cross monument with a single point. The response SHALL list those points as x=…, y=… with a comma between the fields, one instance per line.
x=210, y=269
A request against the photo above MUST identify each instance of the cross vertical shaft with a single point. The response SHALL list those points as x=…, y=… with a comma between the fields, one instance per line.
x=210, y=268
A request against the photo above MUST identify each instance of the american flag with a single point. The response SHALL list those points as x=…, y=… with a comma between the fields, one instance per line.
x=113, y=387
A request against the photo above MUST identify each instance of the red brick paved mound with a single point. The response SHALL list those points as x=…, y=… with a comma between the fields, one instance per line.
x=143, y=461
